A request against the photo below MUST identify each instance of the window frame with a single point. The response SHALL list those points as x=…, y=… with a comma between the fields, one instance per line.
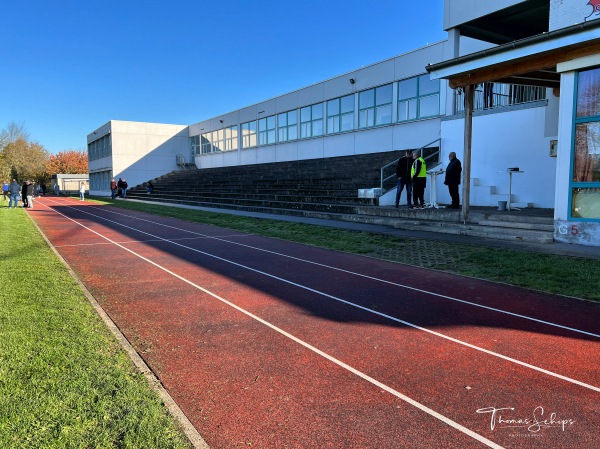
x=417, y=100
x=338, y=117
x=370, y=115
x=310, y=124
x=576, y=186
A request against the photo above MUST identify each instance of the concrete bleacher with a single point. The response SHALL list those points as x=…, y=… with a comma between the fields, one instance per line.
x=328, y=189
x=309, y=185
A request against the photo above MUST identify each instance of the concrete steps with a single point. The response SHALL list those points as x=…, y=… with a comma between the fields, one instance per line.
x=328, y=189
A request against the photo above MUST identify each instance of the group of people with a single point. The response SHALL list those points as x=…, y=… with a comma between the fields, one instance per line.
x=118, y=188
x=411, y=172
x=15, y=192
x=25, y=192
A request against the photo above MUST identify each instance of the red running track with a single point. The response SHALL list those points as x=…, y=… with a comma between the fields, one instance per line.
x=271, y=344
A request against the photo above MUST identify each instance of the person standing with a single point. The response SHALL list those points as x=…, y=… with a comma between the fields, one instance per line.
x=24, y=193
x=29, y=193
x=82, y=191
x=5, y=193
x=452, y=179
x=419, y=181
x=403, y=168
x=14, y=189
x=113, y=188
x=124, y=188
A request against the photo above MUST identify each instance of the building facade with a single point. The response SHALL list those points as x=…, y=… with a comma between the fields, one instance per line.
x=542, y=121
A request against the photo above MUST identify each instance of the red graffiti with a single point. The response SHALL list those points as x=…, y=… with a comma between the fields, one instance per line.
x=595, y=4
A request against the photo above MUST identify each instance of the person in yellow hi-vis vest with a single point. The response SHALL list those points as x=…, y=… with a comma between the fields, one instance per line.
x=419, y=181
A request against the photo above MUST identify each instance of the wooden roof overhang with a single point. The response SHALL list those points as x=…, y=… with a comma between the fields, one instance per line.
x=529, y=61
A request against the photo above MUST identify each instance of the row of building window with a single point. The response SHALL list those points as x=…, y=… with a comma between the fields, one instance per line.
x=417, y=97
x=100, y=180
x=100, y=148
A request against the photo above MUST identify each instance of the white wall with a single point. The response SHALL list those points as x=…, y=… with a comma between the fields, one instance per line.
x=141, y=151
x=564, y=13
x=503, y=140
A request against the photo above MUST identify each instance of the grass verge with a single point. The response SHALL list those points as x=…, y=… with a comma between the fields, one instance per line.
x=569, y=276
x=64, y=380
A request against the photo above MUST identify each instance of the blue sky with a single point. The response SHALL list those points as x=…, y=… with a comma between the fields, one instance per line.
x=69, y=66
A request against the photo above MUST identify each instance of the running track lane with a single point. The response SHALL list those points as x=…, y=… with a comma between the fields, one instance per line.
x=451, y=344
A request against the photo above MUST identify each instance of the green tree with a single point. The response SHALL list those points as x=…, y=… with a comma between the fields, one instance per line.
x=21, y=158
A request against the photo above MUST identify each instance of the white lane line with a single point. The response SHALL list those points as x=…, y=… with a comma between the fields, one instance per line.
x=341, y=364
x=343, y=301
x=408, y=287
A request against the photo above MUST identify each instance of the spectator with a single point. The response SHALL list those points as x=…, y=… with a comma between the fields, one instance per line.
x=419, y=181
x=120, y=187
x=14, y=189
x=452, y=179
x=403, y=174
x=29, y=192
x=113, y=188
x=24, y=193
x=124, y=189
x=5, y=193
x=82, y=191
x=149, y=187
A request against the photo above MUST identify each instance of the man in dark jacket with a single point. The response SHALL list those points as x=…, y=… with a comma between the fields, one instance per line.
x=29, y=192
x=452, y=180
x=403, y=174
x=24, y=193
x=14, y=189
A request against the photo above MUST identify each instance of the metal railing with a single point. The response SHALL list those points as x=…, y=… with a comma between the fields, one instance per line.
x=499, y=95
x=429, y=152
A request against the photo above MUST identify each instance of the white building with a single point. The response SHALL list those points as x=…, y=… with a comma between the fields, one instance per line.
x=529, y=64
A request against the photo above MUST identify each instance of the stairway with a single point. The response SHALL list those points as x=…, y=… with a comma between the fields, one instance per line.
x=328, y=189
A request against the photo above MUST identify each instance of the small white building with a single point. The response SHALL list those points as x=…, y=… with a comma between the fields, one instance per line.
x=529, y=68
x=68, y=184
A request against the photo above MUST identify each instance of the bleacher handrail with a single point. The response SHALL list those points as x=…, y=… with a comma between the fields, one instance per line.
x=394, y=162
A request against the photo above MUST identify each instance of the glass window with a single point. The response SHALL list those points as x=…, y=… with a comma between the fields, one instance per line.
x=375, y=106
x=418, y=97
x=585, y=203
x=585, y=192
x=311, y=121
x=340, y=114
x=429, y=106
x=195, y=144
x=588, y=93
x=249, y=134
x=205, y=143
x=266, y=130
x=407, y=89
x=586, y=167
x=231, y=138
x=287, y=126
x=218, y=141
x=100, y=148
